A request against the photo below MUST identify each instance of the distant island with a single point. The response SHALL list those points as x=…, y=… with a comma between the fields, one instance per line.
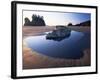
x=85, y=23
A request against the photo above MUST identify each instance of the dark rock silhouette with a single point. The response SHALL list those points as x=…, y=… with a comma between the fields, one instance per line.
x=36, y=21
x=27, y=22
x=86, y=23
x=70, y=24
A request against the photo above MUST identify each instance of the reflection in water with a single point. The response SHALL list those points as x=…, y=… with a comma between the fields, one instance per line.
x=70, y=47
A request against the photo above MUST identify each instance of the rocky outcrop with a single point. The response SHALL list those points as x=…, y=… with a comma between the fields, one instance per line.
x=59, y=33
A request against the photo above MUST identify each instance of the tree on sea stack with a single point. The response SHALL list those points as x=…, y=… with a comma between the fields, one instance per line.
x=37, y=20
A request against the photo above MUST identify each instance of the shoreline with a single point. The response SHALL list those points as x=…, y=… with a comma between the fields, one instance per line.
x=35, y=60
x=33, y=31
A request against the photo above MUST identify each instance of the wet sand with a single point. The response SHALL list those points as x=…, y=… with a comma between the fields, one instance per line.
x=32, y=31
x=33, y=60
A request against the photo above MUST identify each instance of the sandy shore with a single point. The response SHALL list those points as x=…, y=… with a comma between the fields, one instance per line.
x=32, y=31
x=32, y=59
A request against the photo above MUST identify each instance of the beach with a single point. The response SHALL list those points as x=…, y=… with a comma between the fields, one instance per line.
x=35, y=60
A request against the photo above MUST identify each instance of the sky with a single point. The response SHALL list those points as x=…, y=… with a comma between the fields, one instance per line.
x=58, y=18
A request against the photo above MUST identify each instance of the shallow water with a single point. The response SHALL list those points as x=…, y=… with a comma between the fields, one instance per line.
x=71, y=47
